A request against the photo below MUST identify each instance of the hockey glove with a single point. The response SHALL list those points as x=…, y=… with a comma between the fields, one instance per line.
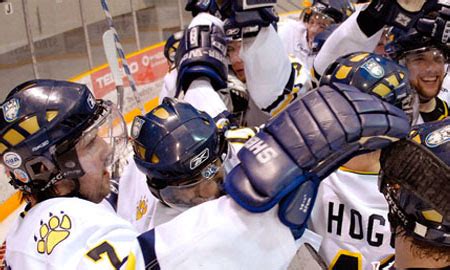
x=197, y=6
x=388, y=12
x=437, y=28
x=244, y=18
x=202, y=53
x=285, y=162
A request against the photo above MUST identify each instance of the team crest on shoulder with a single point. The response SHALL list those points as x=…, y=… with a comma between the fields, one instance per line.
x=438, y=137
x=11, y=109
x=52, y=233
x=141, y=208
x=374, y=68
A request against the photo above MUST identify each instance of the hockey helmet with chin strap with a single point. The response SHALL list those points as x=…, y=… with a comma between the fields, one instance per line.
x=171, y=46
x=415, y=168
x=324, y=11
x=375, y=74
x=176, y=147
x=320, y=38
x=198, y=6
x=41, y=123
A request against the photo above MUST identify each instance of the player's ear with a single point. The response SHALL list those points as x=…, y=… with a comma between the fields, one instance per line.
x=64, y=187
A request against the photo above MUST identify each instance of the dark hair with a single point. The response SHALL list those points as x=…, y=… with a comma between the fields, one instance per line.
x=422, y=249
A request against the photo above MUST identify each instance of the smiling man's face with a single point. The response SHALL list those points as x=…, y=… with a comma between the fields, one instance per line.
x=426, y=72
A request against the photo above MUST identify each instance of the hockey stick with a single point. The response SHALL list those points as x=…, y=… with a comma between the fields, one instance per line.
x=2, y=255
x=109, y=45
x=111, y=57
x=121, y=54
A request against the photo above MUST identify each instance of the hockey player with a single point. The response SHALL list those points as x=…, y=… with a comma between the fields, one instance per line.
x=233, y=98
x=298, y=35
x=426, y=63
x=194, y=156
x=421, y=233
x=170, y=79
x=254, y=116
x=271, y=89
x=363, y=30
x=51, y=144
x=205, y=76
x=56, y=145
x=192, y=153
x=212, y=74
x=354, y=228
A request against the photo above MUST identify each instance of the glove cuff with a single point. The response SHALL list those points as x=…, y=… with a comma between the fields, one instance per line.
x=369, y=24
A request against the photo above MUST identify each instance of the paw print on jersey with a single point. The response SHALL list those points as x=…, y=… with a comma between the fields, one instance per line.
x=141, y=208
x=56, y=230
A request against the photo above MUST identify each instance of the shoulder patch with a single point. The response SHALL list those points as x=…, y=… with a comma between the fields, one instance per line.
x=52, y=232
x=438, y=137
x=141, y=208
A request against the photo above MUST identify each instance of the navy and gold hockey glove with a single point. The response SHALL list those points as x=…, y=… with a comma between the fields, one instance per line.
x=285, y=162
x=244, y=18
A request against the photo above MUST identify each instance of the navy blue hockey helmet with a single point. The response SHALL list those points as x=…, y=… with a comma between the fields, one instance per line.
x=41, y=124
x=197, y=6
x=415, y=173
x=323, y=10
x=411, y=41
x=372, y=73
x=176, y=145
x=320, y=38
x=171, y=46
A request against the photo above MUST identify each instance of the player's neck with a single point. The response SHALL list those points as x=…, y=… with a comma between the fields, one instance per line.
x=407, y=256
x=428, y=106
x=365, y=163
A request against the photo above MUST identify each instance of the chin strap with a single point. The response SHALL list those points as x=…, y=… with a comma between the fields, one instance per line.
x=76, y=191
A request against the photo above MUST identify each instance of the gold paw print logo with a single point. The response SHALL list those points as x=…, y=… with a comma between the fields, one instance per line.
x=56, y=230
x=141, y=208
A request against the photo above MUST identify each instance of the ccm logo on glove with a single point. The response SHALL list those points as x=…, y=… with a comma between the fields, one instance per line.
x=263, y=152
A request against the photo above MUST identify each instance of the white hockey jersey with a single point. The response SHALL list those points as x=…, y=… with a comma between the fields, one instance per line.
x=444, y=94
x=351, y=215
x=71, y=233
x=169, y=86
x=219, y=234
x=135, y=201
x=293, y=34
x=274, y=79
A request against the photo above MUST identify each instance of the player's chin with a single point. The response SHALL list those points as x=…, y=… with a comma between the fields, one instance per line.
x=430, y=90
x=241, y=75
